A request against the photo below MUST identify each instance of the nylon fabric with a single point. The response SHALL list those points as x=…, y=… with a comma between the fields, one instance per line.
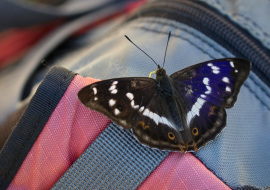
x=245, y=13
x=69, y=131
x=182, y=171
x=116, y=160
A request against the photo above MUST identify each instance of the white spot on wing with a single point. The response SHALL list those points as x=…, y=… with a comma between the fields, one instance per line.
x=112, y=87
x=158, y=119
x=116, y=111
x=189, y=117
x=231, y=63
x=95, y=90
x=236, y=71
x=115, y=82
x=136, y=106
x=141, y=109
x=225, y=79
x=130, y=96
x=216, y=71
x=195, y=109
x=112, y=102
x=228, y=89
x=114, y=91
x=146, y=112
x=209, y=89
x=206, y=81
x=132, y=103
x=203, y=96
x=167, y=122
x=151, y=115
x=200, y=101
x=95, y=98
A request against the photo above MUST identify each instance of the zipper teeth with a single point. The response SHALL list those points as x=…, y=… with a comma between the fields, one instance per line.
x=208, y=20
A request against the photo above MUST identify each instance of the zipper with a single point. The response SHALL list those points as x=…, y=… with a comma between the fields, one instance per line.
x=205, y=19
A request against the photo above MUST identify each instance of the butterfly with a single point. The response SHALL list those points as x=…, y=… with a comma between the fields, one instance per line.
x=180, y=112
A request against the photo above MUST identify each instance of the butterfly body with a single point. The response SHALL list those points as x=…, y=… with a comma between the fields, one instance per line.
x=164, y=82
x=180, y=112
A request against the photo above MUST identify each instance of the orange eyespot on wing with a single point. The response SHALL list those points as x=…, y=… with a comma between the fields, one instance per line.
x=195, y=131
x=171, y=136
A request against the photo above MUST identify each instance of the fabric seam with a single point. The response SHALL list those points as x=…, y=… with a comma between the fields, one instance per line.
x=252, y=22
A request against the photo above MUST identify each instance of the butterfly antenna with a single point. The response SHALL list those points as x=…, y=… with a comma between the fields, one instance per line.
x=166, y=48
x=141, y=50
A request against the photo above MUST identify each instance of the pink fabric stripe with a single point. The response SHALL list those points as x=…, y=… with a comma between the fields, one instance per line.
x=69, y=131
x=182, y=171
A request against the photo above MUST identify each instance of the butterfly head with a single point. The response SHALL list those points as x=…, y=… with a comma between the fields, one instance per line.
x=160, y=72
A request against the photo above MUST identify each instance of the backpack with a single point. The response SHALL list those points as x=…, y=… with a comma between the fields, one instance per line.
x=58, y=143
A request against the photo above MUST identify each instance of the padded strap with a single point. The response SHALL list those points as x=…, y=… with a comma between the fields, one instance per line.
x=32, y=122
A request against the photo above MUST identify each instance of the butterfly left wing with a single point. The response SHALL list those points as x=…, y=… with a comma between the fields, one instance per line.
x=116, y=98
x=204, y=90
x=135, y=103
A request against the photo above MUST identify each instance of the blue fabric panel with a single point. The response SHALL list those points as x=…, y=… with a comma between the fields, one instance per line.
x=115, y=160
x=32, y=122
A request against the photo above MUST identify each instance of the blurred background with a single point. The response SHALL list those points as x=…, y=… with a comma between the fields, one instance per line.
x=34, y=34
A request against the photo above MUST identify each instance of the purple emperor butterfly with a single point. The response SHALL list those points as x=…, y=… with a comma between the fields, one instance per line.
x=180, y=112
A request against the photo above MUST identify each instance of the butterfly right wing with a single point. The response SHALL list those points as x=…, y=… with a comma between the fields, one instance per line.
x=204, y=90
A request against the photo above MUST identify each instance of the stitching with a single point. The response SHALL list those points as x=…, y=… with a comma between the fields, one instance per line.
x=251, y=21
x=37, y=123
x=251, y=24
x=255, y=25
x=195, y=45
x=192, y=43
x=178, y=36
x=253, y=92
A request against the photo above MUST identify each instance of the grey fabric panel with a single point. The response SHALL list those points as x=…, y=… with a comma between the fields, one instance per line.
x=115, y=160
